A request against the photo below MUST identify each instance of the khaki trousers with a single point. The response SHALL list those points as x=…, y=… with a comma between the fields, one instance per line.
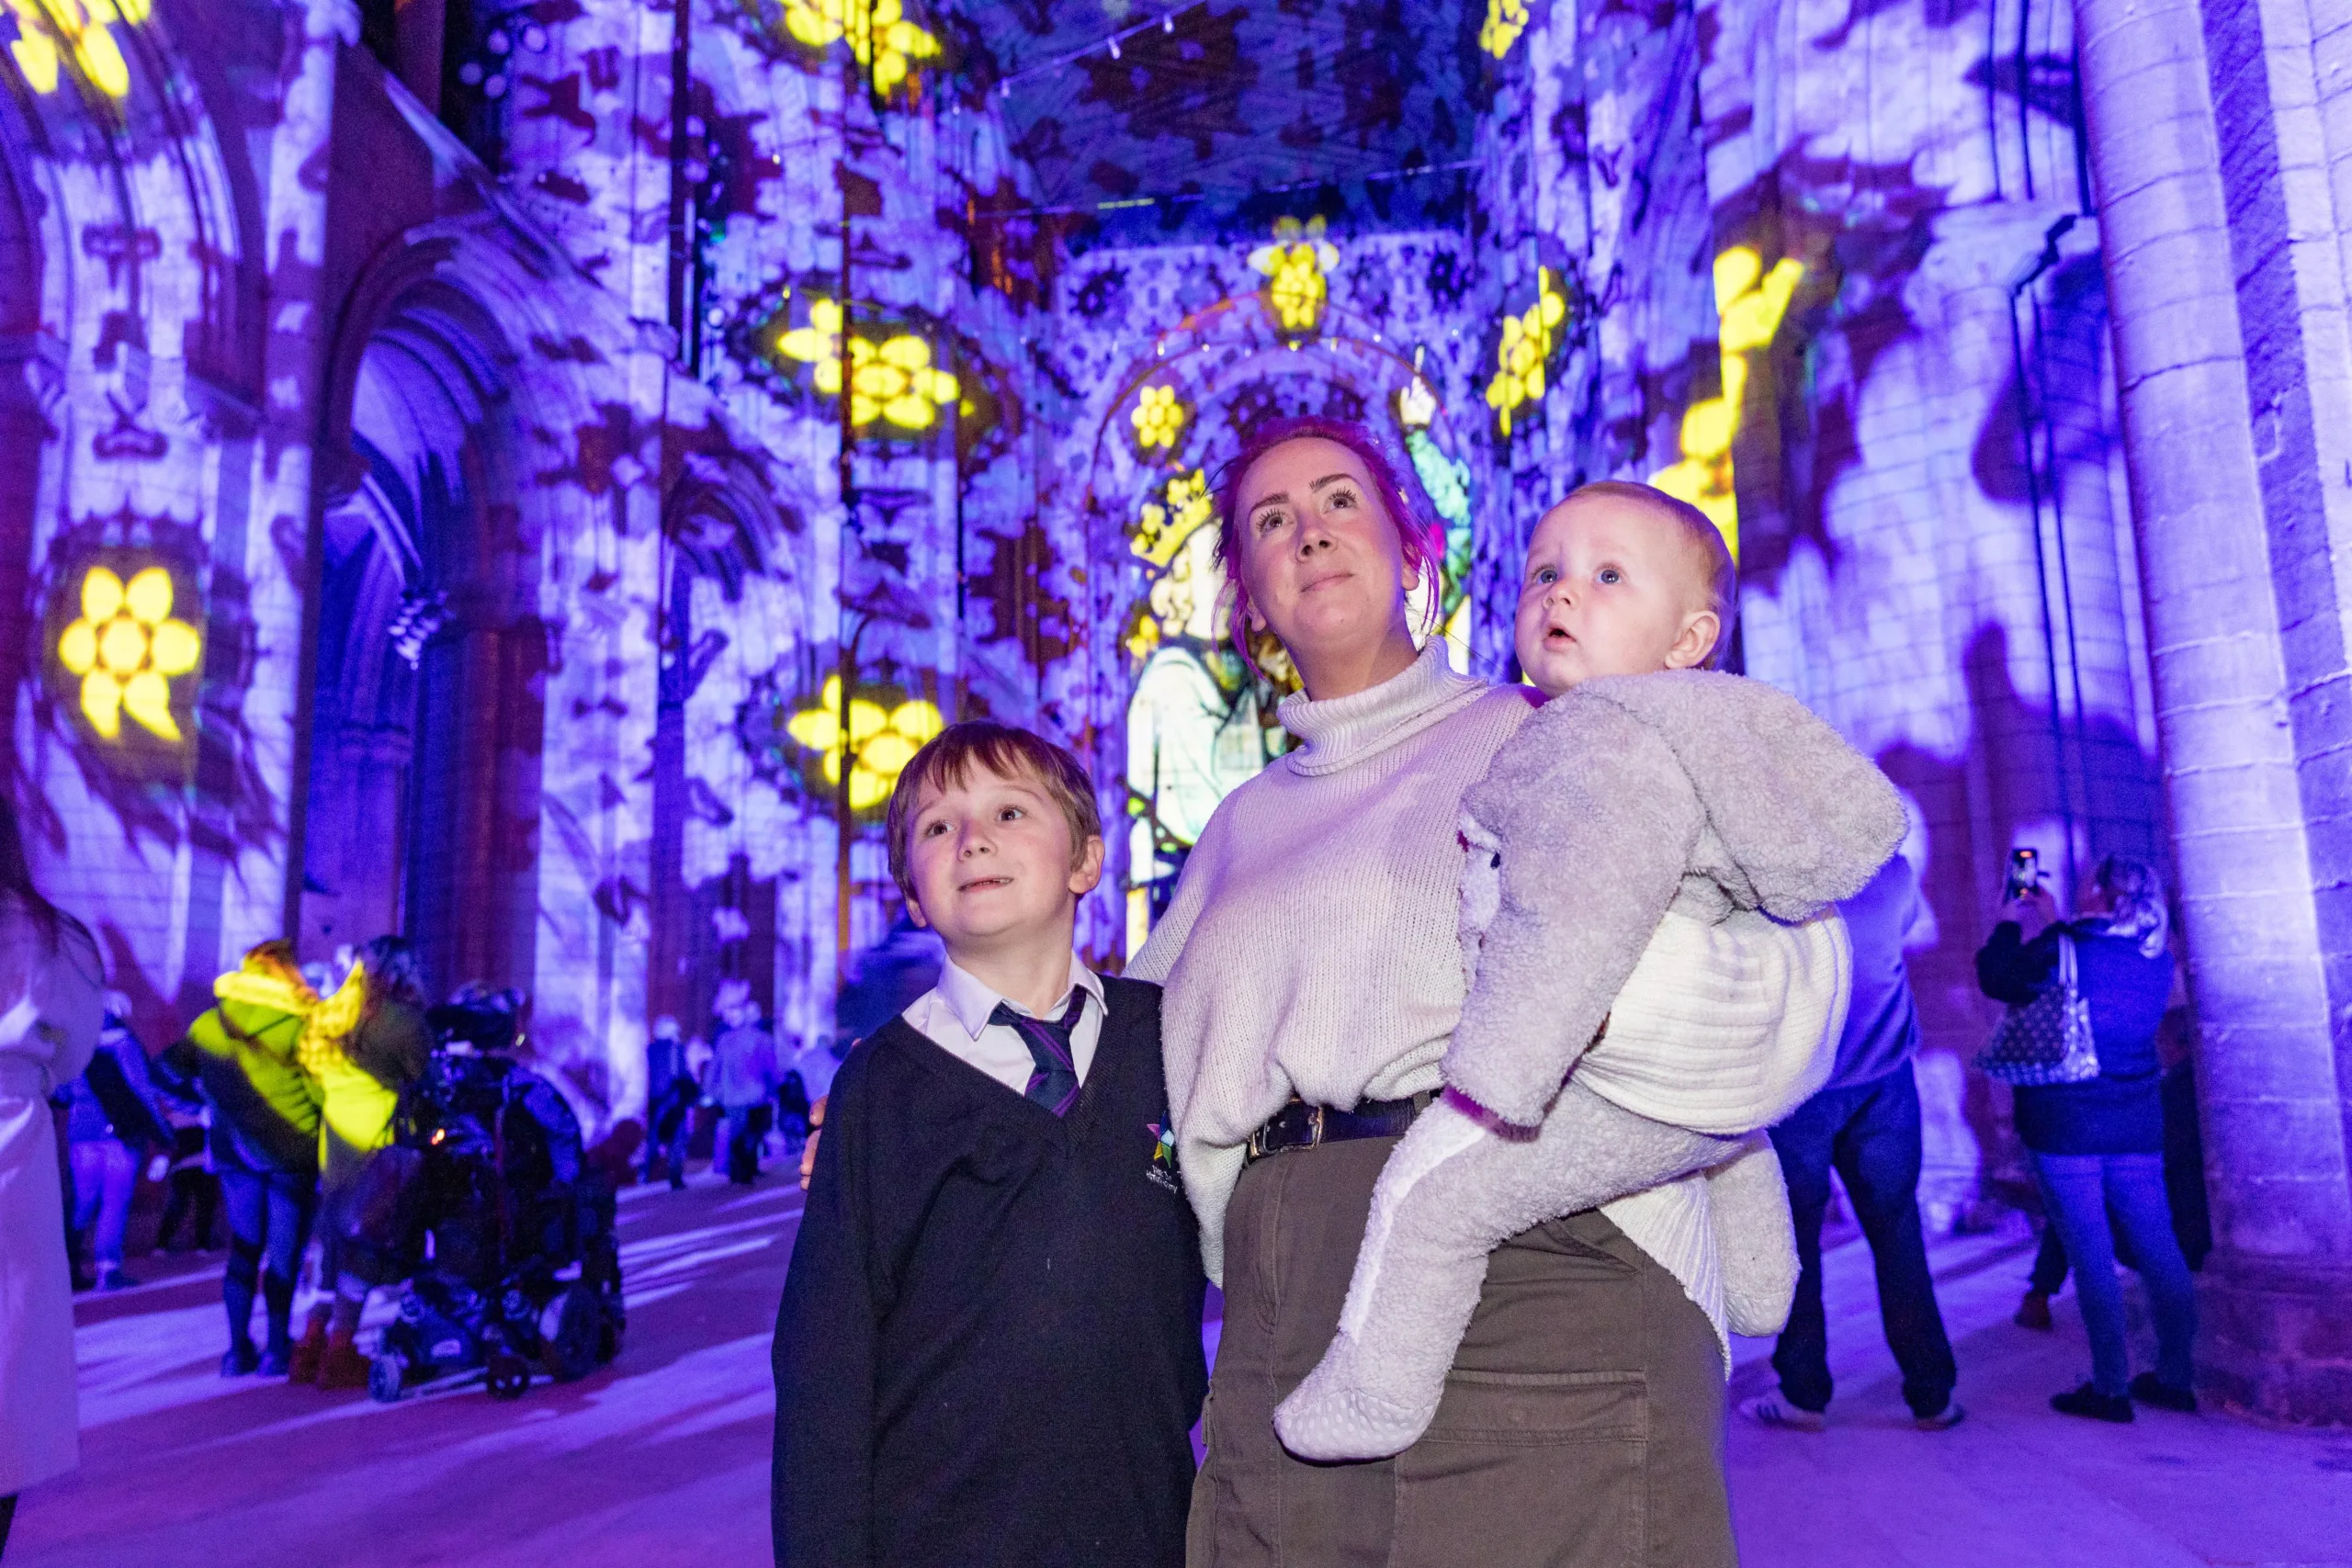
x=1582, y=1424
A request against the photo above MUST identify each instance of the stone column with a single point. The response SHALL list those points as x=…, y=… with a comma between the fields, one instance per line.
x=2246, y=646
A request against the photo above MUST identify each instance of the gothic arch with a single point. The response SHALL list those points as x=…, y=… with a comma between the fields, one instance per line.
x=427, y=713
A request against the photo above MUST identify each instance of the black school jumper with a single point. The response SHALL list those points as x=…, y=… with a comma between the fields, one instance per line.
x=990, y=1346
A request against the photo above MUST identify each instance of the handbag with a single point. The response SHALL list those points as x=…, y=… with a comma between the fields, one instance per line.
x=2048, y=1040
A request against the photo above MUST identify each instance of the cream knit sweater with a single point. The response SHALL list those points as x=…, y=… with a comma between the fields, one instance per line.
x=1312, y=946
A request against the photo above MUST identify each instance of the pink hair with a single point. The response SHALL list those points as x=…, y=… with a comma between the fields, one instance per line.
x=1422, y=543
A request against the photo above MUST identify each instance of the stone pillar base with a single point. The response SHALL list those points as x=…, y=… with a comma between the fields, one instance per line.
x=2275, y=1340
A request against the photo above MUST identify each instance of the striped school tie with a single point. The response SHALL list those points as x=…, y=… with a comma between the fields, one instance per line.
x=1054, y=1083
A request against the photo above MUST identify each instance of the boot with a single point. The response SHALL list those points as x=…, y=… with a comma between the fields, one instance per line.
x=303, y=1364
x=341, y=1365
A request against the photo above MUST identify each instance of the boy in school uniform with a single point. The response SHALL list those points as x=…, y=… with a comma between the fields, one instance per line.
x=990, y=1346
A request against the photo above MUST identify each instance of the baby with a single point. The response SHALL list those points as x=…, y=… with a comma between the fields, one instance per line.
x=1655, y=810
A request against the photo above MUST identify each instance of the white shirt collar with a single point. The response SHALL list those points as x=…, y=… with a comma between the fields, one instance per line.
x=972, y=1001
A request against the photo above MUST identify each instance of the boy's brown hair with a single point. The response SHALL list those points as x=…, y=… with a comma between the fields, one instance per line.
x=1723, y=572
x=947, y=758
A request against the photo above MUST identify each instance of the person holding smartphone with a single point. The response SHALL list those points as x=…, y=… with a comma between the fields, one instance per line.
x=2098, y=1145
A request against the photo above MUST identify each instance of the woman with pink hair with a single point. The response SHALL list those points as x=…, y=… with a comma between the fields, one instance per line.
x=1314, y=978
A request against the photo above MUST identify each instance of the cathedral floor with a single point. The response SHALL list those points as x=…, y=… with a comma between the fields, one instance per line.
x=663, y=1457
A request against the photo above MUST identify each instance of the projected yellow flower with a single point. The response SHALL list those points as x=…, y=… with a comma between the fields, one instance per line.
x=880, y=741
x=1294, y=266
x=1159, y=418
x=879, y=35
x=1749, y=304
x=78, y=28
x=1506, y=19
x=126, y=648
x=893, y=380
x=1525, y=349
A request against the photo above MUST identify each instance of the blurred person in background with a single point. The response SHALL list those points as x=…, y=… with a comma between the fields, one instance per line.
x=191, y=1191
x=364, y=1044
x=112, y=1120
x=743, y=1079
x=244, y=1056
x=2098, y=1146
x=669, y=1095
x=51, y=1003
x=1864, y=1125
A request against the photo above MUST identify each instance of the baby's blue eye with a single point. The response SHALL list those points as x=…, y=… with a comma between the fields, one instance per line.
x=1546, y=577
x=1610, y=574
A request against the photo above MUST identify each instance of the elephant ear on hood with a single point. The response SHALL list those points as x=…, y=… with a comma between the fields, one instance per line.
x=1796, y=817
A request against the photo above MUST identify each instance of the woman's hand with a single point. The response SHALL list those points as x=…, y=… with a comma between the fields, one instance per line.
x=2032, y=909
x=808, y=1149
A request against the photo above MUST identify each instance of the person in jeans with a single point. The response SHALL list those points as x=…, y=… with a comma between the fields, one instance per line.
x=669, y=1094
x=743, y=1080
x=265, y=1142
x=2097, y=1146
x=111, y=1118
x=1864, y=1124
x=2192, y=1223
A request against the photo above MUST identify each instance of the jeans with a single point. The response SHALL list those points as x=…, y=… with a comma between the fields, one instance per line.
x=738, y=1149
x=194, y=1195
x=269, y=1217
x=1870, y=1133
x=2081, y=1191
x=105, y=1172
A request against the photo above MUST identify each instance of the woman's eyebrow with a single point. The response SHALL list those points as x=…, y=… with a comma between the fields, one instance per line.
x=1280, y=497
x=1326, y=479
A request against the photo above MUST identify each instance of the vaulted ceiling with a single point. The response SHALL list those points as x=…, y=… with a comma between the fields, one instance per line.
x=1225, y=97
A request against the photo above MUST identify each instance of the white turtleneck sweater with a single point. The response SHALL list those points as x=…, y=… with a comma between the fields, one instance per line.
x=1312, y=946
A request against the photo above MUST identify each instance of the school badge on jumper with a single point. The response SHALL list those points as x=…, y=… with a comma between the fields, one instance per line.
x=1162, y=1168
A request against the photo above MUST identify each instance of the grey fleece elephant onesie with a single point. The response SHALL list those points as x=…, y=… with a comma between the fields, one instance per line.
x=1641, y=836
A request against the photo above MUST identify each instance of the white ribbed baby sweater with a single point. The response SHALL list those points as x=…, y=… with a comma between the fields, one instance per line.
x=1339, y=863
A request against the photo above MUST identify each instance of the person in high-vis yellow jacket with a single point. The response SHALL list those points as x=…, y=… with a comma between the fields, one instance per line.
x=364, y=1043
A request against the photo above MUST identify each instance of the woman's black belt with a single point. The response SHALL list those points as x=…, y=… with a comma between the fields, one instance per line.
x=1299, y=1125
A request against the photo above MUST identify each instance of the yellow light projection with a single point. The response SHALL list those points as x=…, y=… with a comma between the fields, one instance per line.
x=1749, y=304
x=882, y=740
x=81, y=26
x=879, y=35
x=1162, y=534
x=1506, y=19
x=127, y=648
x=1525, y=348
x=1159, y=418
x=1295, y=266
x=893, y=380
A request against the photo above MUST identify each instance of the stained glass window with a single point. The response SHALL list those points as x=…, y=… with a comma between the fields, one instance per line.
x=1197, y=723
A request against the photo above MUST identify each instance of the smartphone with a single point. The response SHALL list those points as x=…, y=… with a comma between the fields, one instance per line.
x=2025, y=873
